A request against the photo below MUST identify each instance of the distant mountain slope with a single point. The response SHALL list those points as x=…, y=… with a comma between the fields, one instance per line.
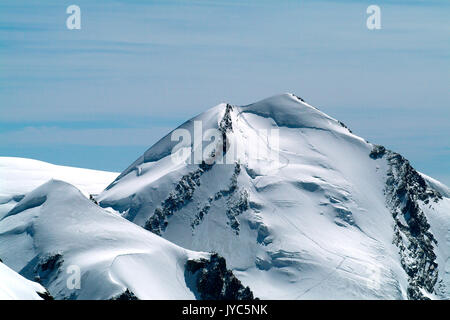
x=319, y=213
x=18, y=176
x=55, y=233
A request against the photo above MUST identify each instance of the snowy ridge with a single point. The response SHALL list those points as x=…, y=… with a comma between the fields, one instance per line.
x=315, y=213
x=15, y=287
x=404, y=188
x=104, y=246
x=310, y=218
x=54, y=230
x=18, y=176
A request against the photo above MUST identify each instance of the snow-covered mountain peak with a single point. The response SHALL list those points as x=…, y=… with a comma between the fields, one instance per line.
x=302, y=199
x=292, y=198
x=297, y=205
x=290, y=111
x=78, y=250
x=20, y=176
x=246, y=133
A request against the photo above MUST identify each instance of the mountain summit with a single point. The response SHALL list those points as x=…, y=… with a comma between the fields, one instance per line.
x=273, y=200
x=299, y=206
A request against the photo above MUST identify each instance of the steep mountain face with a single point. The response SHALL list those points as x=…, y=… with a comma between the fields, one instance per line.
x=299, y=206
x=59, y=238
x=405, y=187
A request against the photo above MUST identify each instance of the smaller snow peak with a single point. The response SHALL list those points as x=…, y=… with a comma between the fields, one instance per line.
x=40, y=195
x=51, y=186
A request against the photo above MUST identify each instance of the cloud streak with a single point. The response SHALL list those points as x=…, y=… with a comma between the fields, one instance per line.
x=117, y=137
x=154, y=60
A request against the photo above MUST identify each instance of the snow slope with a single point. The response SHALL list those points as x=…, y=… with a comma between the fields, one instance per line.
x=308, y=216
x=15, y=287
x=55, y=231
x=18, y=176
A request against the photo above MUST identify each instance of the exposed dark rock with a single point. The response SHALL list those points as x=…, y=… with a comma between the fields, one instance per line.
x=127, y=295
x=344, y=126
x=43, y=269
x=299, y=98
x=237, y=202
x=202, y=213
x=210, y=280
x=184, y=189
x=235, y=207
x=226, y=125
x=51, y=262
x=377, y=152
x=91, y=197
x=46, y=295
x=344, y=215
x=405, y=187
x=177, y=199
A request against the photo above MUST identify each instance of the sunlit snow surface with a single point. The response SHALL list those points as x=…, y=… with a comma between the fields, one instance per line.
x=112, y=253
x=18, y=176
x=304, y=219
x=13, y=286
x=318, y=226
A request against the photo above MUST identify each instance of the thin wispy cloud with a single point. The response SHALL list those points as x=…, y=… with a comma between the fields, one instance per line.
x=160, y=59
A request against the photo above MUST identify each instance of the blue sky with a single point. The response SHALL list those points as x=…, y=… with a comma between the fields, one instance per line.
x=100, y=96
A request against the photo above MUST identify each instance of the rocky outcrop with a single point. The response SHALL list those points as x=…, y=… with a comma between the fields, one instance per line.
x=236, y=203
x=211, y=280
x=92, y=198
x=344, y=126
x=405, y=188
x=184, y=189
x=177, y=199
x=127, y=295
x=377, y=152
x=225, y=126
x=43, y=269
x=45, y=295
